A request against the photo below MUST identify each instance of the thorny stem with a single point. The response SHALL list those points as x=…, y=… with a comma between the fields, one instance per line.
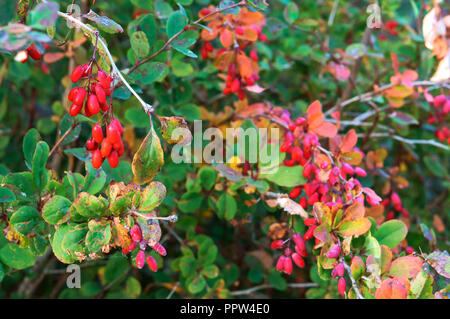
x=71, y=128
x=354, y=285
x=171, y=218
x=147, y=107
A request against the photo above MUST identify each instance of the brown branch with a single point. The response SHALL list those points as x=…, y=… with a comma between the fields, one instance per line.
x=266, y=286
x=61, y=139
x=176, y=35
x=354, y=285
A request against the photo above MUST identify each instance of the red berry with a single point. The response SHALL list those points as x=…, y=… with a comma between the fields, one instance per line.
x=91, y=145
x=151, y=262
x=76, y=74
x=342, y=286
x=340, y=269
x=303, y=253
x=303, y=202
x=100, y=93
x=116, y=122
x=297, y=153
x=74, y=110
x=299, y=241
x=285, y=146
x=295, y=192
x=409, y=250
x=240, y=30
x=309, y=233
x=34, y=52
x=140, y=259
x=298, y=260
x=92, y=104
x=104, y=106
x=334, y=252
x=113, y=159
x=130, y=248
x=277, y=244
x=288, y=265
x=97, y=159
x=262, y=37
x=310, y=221
x=360, y=172
x=79, y=96
x=280, y=263
x=112, y=133
x=106, y=148
x=300, y=121
x=254, y=55
x=439, y=100
x=97, y=133
x=72, y=94
x=395, y=199
x=160, y=249
x=135, y=233
x=104, y=79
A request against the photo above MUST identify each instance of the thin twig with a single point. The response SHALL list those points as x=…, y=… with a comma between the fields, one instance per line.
x=354, y=285
x=173, y=290
x=409, y=141
x=61, y=139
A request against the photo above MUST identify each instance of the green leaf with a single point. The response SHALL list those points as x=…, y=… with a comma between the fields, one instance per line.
x=227, y=206
x=44, y=15
x=170, y=126
x=197, y=284
x=291, y=12
x=116, y=266
x=391, y=233
x=95, y=179
x=29, y=145
x=177, y=21
x=150, y=72
x=15, y=257
x=56, y=210
x=185, y=51
x=152, y=196
x=104, y=23
x=26, y=220
x=435, y=166
x=62, y=255
x=148, y=159
x=372, y=247
x=121, y=173
x=277, y=280
x=210, y=271
x=208, y=176
x=133, y=287
x=286, y=176
x=90, y=206
x=139, y=44
x=40, y=158
x=6, y=195
x=189, y=111
x=99, y=234
x=190, y=202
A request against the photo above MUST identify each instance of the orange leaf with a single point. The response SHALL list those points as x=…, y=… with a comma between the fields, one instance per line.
x=391, y=289
x=244, y=64
x=226, y=38
x=353, y=158
x=52, y=57
x=353, y=212
x=386, y=258
x=355, y=227
x=326, y=129
x=407, y=266
x=409, y=77
x=349, y=141
x=250, y=34
x=224, y=60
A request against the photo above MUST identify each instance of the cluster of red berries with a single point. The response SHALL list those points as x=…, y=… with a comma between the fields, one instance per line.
x=141, y=258
x=93, y=95
x=301, y=150
x=236, y=32
x=284, y=263
x=394, y=203
x=339, y=271
x=32, y=51
x=441, y=106
x=391, y=27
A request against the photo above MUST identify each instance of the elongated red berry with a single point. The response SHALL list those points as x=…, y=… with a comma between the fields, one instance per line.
x=100, y=93
x=112, y=133
x=310, y=221
x=106, y=148
x=130, y=248
x=295, y=192
x=135, y=233
x=288, y=265
x=104, y=106
x=79, y=96
x=92, y=104
x=160, y=249
x=151, y=262
x=297, y=154
x=302, y=252
x=34, y=52
x=140, y=259
x=360, y=172
x=104, y=79
x=97, y=159
x=90, y=144
x=113, y=159
x=298, y=260
x=97, y=133
x=280, y=263
x=309, y=233
x=239, y=30
x=72, y=94
x=342, y=286
x=75, y=109
x=76, y=74
x=303, y=202
x=334, y=252
x=299, y=241
x=277, y=244
x=340, y=269
x=116, y=122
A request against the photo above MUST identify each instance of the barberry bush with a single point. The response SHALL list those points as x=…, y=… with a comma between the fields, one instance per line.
x=94, y=95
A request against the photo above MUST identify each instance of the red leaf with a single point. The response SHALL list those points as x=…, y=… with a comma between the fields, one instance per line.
x=349, y=141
